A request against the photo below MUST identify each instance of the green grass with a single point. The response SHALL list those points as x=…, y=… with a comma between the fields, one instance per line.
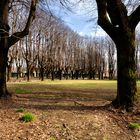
x=75, y=83
x=102, y=86
x=27, y=117
x=134, y=125
x=20, y=110
x=21, y=91
x=37, y=86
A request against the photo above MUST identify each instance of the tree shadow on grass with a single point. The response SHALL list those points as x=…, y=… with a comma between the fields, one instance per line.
x=49, y=107
x=63, y=100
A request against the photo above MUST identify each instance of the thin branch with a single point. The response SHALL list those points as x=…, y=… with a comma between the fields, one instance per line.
x=135, y=18
x=12, y=39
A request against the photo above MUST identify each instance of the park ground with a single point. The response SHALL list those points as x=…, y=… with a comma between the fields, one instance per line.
x=66, y=110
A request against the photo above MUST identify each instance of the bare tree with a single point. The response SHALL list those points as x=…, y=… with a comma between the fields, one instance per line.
x=7, y=41
x=114, y=19
x=110, y=46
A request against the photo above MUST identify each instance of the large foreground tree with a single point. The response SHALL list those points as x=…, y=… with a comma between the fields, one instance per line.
x=6, y=41
x=120, y=25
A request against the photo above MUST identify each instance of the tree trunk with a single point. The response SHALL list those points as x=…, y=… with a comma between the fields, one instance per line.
x=77, y=74
x=102, y=75
x=126, y=72
x=52, y=75
x=28, y=73
x=42, y=73
x=113, y=18
x=60, y=74
x=9, y=68
x=90, y=75
x=72, y=75
x=6, y=42
x=3, y=62
x=3, y=46
x=18, y=71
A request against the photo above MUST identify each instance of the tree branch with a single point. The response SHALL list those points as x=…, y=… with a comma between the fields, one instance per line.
x=103, y=19
x=118, y=13
x=135, y=18
x=18, y=35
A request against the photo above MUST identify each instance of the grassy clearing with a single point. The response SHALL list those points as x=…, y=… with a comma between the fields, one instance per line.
x=66, y=92
x=38, y=86
x=104, y=89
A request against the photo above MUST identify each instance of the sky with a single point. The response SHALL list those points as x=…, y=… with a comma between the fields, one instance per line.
x=83, y=25
x=81, y=18
x=78, y=19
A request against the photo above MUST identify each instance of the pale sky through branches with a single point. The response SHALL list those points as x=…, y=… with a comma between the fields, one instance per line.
x=80, y=19
x=82, y=16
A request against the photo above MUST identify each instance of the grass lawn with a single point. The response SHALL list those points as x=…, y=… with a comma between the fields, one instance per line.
x=95, y=88
x=84, y=90
x=40, y=86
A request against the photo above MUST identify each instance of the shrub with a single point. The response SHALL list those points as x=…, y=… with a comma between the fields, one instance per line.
x=28, y=117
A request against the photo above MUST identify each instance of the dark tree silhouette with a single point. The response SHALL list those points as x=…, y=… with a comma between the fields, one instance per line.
x=113, y=18
x=7, y=41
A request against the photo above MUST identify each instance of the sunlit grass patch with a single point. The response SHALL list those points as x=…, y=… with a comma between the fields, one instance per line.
x=43, y=86
x=84, y=84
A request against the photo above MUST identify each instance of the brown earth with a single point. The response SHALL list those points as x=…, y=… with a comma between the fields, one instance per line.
x=66, y=115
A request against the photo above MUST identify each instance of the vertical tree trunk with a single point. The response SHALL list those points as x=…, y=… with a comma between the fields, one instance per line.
x=3, y=62
x=3, y=46
x=72, y=75
x=18, y=71
x=113, y=18
x=77, y=74
x=90, y=75
x=102, y=75
x=42, y=73
x=60, y=74
x=9, y=73
x=126, y=73
x=28, y=70
x=52, y=75
x=28, y=74
x=6, y=42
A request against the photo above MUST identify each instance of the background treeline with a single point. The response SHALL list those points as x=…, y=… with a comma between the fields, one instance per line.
x=53, y=51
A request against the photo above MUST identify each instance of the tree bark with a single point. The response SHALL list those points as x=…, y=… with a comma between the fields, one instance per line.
x=72, y=74
x=9, y=69
x=52, y=74
x=126, y=71
x=42, y=73
x=60, y=74
x=113, y=18
x=4, y=29
x=3, y=63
